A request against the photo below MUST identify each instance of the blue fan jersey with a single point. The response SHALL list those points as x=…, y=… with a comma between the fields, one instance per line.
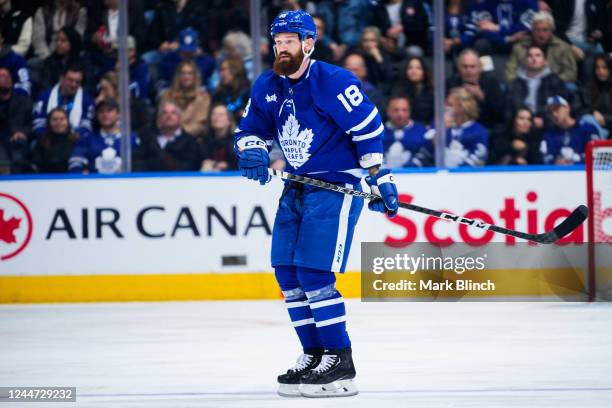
x=323, y=122
x=568, y=144
x=512, y=16
x=410, y=146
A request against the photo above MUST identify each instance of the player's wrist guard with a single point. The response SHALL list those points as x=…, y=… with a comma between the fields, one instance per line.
x=253, y=159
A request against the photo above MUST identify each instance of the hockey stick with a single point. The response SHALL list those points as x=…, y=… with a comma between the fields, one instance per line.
x=572, y=222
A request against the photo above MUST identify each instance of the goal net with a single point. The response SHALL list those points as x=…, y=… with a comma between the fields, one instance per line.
x=599, y=196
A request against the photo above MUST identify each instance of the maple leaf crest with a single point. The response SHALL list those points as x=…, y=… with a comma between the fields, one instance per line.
x=7, y=228
x=295, y=143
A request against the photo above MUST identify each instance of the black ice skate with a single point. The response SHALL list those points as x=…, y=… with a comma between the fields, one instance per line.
x=288, y=383
x=333, y=377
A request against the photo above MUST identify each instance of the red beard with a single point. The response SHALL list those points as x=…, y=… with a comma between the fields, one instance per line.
x=288, y=66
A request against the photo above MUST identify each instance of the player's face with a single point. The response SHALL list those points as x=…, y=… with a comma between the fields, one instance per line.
x=522, y=122
x=398, y=112
x=289, y=55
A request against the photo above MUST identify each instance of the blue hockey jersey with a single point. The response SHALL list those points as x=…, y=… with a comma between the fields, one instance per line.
x=18, y=68
x=569, y=144
x=98, y=153
x=323, y=122
x=466, y=145
x=512, y=16
x=407, y=147
x=80, y=108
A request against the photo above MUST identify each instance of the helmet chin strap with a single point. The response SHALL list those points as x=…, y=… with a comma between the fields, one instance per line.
x=309, y=53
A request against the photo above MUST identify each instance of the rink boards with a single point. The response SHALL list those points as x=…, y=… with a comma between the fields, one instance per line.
x=194, y=236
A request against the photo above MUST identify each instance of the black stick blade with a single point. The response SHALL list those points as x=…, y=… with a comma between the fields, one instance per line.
x=572, y=222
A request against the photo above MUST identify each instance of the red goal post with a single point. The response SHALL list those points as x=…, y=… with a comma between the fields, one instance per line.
x=599, y=199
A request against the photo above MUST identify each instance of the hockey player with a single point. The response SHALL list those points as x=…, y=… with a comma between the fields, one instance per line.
x=327, y=128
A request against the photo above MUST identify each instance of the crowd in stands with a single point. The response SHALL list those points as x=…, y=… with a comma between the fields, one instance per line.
x=528, y=81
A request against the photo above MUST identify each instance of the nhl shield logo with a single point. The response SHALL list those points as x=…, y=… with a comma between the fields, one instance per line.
x=15, y=226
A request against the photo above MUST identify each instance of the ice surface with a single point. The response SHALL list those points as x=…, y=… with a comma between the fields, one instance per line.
x=228, y=354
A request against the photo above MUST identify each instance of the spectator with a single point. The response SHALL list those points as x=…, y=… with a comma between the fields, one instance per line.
x=344, y=21
x=16, y=27
x=558, y=53
x=100, y=151
x=54, y=148
x=356, y=64
x=50, y=18
x=378, y=61
x=102, y=31
x=607, y=35
x=484, y=88
x=494, y=25
x=322, y=51
x=387, y=15
x=519, y=143
x=68, y=94
x=598, y=93
x=140, y=111
x=140, y=80
x=404, y=141
x=15, y=123
x=169, y=148
x=580, y=23
x=467, y=141
x=217, y=144
x=187, y=94
x=565, y=142
x=234, y=88
x=237, y=44
x=226, y=16
x=455, y=26
x=66, y=52
x=188, y=51
x=17, y=66
x=534, y=84
x=171, y=17
x=415, y=83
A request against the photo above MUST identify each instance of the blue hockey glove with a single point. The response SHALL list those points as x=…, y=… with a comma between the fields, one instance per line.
x=382, y=184
x=253, y=159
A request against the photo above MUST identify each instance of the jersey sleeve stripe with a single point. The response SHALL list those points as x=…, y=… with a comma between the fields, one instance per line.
x=370, y=135
x=365, y=122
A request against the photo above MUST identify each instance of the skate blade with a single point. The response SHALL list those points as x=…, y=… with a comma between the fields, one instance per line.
x=340, y=388
x=289, y=390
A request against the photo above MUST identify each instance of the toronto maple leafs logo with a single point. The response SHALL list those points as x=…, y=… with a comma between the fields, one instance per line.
x=270, y=98
x=295, y=142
